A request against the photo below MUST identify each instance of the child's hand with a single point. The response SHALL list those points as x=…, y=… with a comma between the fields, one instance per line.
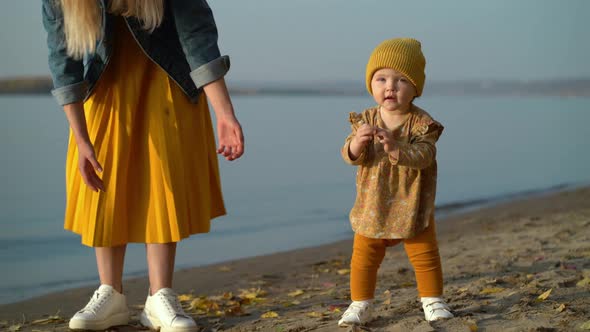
x=385, y=137
x=364, y=135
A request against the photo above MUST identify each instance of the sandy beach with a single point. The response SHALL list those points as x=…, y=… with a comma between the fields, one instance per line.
x=523, y=265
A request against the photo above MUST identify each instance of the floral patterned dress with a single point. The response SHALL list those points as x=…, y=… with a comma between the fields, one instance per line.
x=395, y=191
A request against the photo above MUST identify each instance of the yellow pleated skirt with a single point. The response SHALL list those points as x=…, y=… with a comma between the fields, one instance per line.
x=158, y=154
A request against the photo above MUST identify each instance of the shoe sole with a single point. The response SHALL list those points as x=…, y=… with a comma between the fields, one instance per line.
x=438, y=318
x=154, y=324
x=346, y=324
x=114, y=320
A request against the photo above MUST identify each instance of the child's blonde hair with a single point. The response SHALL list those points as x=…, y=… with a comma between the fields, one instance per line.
x=83, y=20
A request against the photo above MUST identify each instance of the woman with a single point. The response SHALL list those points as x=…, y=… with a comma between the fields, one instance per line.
x=133, y=77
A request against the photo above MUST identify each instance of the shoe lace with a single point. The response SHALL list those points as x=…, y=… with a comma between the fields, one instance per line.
x=172, y=304
x=96, y=302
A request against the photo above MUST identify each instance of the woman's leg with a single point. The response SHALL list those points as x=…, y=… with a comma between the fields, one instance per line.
x=422, y=250
x=162, y=310
x=109, y=261
x=107, y=306
x=160, y=258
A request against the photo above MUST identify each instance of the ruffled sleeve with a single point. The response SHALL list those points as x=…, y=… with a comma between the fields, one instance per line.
x=420, y=152
x=356, y=120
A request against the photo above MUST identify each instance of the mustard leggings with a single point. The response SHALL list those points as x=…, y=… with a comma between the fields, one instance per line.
x=422, y=250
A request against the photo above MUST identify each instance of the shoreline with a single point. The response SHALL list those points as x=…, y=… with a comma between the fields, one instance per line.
x=560, y=265
x=443, y=212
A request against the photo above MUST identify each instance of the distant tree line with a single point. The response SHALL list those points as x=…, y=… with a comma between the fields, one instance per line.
x=26, y=85
x=564, y=87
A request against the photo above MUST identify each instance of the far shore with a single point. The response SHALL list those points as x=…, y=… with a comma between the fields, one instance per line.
x=42, y=85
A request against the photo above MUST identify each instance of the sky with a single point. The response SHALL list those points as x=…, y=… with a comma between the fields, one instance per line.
x=330, y=40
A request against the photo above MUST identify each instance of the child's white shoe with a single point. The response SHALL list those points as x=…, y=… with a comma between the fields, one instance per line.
x=358, y=313
x=435, y=308
x=106, y=308
x=162, y=311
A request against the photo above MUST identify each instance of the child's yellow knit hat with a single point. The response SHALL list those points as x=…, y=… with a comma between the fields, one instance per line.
x=401, y=54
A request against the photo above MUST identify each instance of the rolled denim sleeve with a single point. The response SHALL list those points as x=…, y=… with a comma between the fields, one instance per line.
x=198, y=36
x=67, y=73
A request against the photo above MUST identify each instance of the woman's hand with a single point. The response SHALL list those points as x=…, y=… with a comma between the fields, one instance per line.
x=229, y=137
x=87, y=163
x=88, y=166
x=229, y=131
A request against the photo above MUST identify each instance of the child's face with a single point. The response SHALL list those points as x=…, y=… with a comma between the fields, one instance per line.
x=392, y=90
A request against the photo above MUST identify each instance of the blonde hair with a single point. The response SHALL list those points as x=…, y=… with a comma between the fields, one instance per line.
x=83, y=20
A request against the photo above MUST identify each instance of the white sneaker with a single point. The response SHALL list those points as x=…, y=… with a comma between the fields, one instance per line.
x=106, y=308
x=358, y=313
x=163, y=312
x=435, y=308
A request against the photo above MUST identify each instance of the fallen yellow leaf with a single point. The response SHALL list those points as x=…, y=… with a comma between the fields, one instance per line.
x=585, y=326
x=252, y=293
x=203, y=304
x=473, y=327
x=545, y=295
x=584, y=282
x=292, y=303
x=314, y=314
x=48, y=320
x=185, y=297
x=224, y=268
x=200, y=312
x=14, y=328
x=491, y=290
x=387, y=295
x=269, y=314
x=561, y=308
x=343, y=271
x=296, y=293
x=336, y=262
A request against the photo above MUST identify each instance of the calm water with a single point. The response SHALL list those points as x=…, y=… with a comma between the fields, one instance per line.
x=291, y=188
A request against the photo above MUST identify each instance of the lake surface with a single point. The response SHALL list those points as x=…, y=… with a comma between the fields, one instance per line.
x=291, y=189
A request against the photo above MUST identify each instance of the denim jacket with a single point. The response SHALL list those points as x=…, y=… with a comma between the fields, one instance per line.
x=184, y=45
